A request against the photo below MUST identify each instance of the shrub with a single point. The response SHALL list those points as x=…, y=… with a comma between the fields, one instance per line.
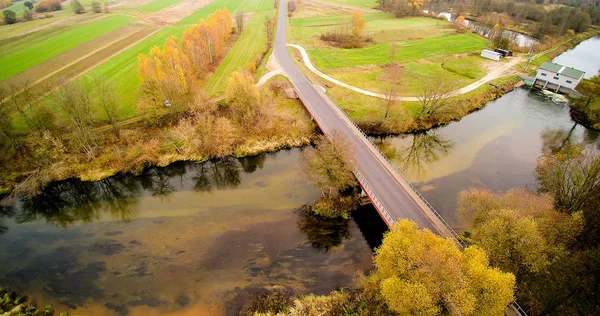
x=9, y=17
x=77, y=7
x=48, y=6
x=28, y=15
x=96, y=7
x=28, y=4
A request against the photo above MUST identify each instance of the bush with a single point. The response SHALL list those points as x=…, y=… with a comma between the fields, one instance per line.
x=9, y=17
x=28, y=4
x=96, y=7
x=48, y=6
x=77, y=7
x=28, y=15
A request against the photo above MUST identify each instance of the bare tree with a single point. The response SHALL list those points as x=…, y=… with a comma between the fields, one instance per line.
x=239, y=21
x=434, y=97
x=108, y=100
x=392, y=75
x=23, y=100
x=72, y=99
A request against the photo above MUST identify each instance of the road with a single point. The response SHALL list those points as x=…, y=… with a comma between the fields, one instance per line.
x=390, y=194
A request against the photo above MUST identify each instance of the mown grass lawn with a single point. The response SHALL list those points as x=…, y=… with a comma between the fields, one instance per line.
x=231, y=5
x=46, y=48
x=246, y=49
x=379, y=54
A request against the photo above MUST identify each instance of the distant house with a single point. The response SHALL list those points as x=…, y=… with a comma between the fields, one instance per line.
x=557, y=77
x=490, y=54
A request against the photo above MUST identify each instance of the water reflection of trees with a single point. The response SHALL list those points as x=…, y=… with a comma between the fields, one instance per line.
x=553, y=140
x=323, y=233
x=424, y=148
x=219, y=174
x=67, y=202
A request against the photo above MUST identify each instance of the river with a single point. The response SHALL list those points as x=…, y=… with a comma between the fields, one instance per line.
x=200, y=239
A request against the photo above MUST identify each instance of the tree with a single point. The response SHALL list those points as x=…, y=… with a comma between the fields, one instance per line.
x=239, y=21
x=391, y=80
x=73, y=101
x=108, y=101
x=434, y=97
x=330, y=165
x=358, y=23
x=28, y=4
x=419, y=272
x=105, y=7
x=77, y=7
x=96, y=7
x=291, y=6
x=9, y=17
x=243, y=98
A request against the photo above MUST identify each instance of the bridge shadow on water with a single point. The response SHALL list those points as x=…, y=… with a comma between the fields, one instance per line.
x=371, y=225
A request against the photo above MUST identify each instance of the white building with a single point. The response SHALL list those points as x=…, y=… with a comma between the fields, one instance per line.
x=555, y=76
x=490, y=54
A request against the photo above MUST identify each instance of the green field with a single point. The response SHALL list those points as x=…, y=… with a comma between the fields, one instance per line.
x=379, y=54
x=158, y=5
x=231, y=5
x=122, y=69
x=46, y=48
x=247, y=47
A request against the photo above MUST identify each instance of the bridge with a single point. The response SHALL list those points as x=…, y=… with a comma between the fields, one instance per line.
x=393, y=196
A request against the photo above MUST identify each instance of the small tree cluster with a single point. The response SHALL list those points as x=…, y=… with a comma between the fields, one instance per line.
x=10, y=17
x=96, y=7
x=168, y=72
x=48, y=6
x=460, y=24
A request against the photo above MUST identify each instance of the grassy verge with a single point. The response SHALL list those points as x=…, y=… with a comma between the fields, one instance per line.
x=18, y=61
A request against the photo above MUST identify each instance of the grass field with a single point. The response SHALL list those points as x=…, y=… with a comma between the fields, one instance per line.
x=379, y=54
x=231, y=5
x=46, y=48
x=368, y=4
x=248, y=46
x=122, y=69
x=158, y=5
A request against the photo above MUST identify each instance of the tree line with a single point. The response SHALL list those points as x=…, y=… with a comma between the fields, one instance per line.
x=168, y=73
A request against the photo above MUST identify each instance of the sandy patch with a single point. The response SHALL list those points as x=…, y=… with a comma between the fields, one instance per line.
x=175, y=13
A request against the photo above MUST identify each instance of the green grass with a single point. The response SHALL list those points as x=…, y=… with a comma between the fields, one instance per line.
x=158, y=5
x=231, y=5
x=122, y=69
x=408, y=50
x=247, y=47
x=465, y=67
x=47, y=48
x=16, y=7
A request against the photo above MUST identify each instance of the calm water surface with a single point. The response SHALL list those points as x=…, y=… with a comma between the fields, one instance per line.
x=188, y=238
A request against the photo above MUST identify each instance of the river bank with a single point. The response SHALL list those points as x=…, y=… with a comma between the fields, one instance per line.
x=285, y=124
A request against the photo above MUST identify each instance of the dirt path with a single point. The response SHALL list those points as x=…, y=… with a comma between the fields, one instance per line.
x=494, y=74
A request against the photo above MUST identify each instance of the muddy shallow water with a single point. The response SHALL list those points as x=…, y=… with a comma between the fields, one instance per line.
x=188, y=237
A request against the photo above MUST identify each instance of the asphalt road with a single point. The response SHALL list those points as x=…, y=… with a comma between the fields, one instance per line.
x=388, y=190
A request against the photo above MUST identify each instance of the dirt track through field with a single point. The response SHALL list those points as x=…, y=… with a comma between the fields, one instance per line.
x=175, y=13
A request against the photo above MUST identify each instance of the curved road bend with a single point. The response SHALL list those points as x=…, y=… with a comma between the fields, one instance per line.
x=388, y=190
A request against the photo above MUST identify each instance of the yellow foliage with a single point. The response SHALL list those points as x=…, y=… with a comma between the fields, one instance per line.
x=358, y=24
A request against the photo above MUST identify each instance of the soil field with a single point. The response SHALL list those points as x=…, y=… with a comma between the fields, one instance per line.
x=176, y=12
x=23, y=59
x=231, y=5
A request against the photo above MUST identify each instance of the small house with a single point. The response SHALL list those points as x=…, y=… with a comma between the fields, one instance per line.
x=554, y=76
x=490, y=54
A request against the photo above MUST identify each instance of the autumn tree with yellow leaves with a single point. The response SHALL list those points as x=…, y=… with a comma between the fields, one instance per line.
x=358, y=24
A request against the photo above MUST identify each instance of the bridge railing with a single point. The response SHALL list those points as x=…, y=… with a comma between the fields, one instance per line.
x=380, y=207
x=394, y=169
